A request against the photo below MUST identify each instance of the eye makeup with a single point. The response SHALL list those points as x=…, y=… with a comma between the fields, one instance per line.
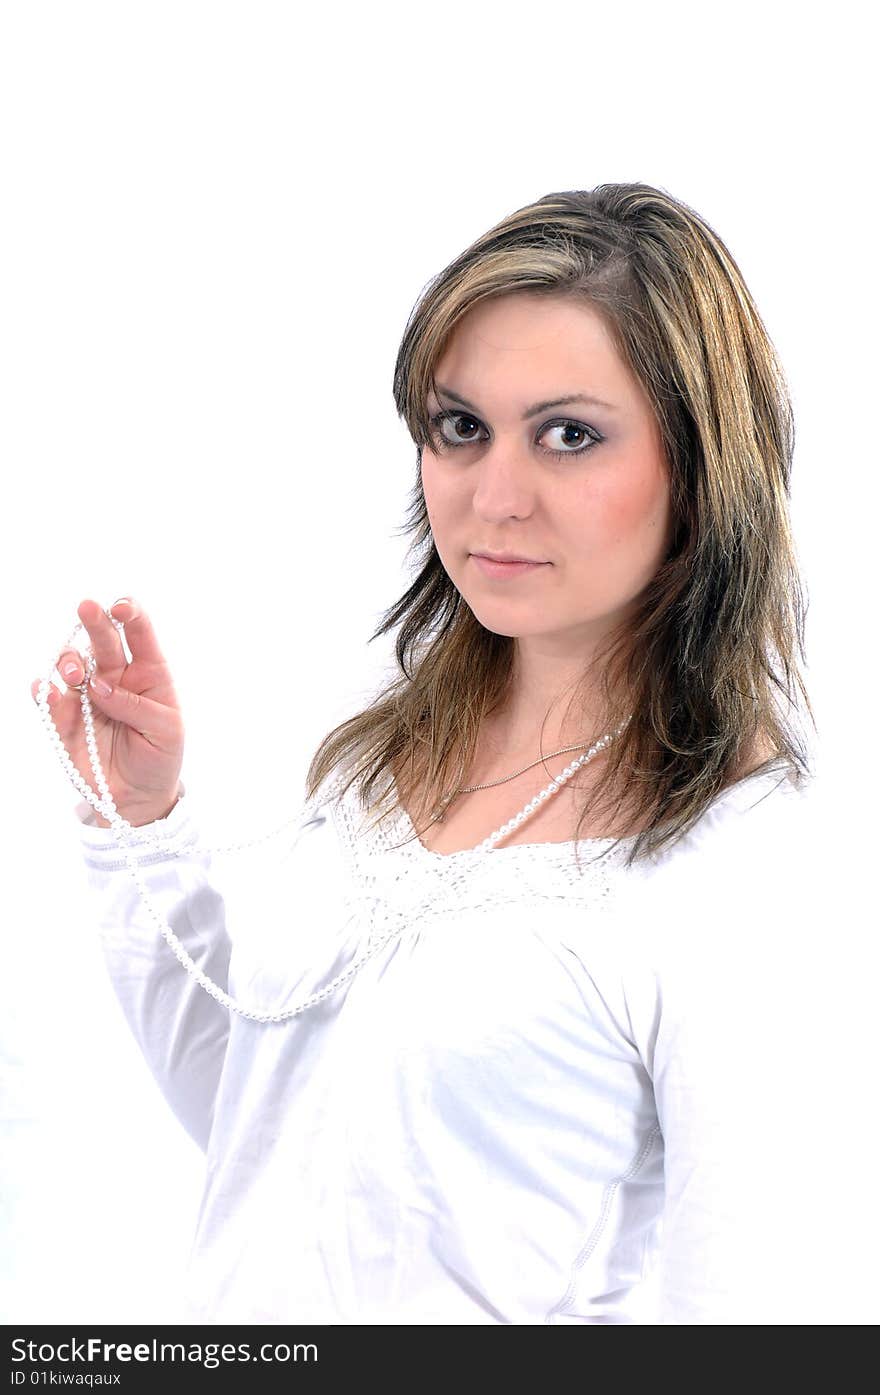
x=444, y=443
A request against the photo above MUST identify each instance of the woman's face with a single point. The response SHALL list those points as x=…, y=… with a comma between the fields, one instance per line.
x=597, y=515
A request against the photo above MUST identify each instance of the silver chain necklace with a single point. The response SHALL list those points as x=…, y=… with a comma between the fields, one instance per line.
x=440, y=813
x=126, y=834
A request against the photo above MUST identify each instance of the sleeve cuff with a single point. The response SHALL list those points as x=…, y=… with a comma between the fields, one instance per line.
x=101, y=846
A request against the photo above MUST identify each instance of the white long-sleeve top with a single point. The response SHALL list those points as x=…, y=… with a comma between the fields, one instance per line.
x=543, y=1083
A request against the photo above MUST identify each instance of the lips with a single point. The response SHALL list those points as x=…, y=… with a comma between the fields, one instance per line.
x=489, y=567
x=508, y=557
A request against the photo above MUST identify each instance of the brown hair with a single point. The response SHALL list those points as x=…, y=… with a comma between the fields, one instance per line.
x=716, y=634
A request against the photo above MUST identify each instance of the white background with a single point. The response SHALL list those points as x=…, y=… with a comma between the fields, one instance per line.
x=216, y=218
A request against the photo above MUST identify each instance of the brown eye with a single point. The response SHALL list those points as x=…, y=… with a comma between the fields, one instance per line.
x=443, y=440
x=577, y=446
x=453, y=418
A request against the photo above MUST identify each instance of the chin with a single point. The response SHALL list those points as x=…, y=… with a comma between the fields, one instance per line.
x=498, y=625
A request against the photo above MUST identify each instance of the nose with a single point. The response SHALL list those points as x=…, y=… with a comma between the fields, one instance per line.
x=505, y=484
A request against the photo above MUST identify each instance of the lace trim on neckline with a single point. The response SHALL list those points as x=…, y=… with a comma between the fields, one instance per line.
x=399, y=885
x=402, y=880
x=395, y=834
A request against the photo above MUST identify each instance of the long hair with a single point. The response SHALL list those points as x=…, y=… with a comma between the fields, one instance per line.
x=708, y=659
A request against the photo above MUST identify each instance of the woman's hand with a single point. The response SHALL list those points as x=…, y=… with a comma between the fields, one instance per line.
x=138, y=726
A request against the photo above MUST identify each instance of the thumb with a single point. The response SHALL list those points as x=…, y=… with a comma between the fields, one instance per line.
x=119, y=703
x=150, y=718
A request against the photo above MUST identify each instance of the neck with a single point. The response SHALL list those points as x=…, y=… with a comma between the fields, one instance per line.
x=543, y=711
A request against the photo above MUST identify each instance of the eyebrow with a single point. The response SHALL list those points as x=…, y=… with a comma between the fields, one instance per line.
x=538, y=407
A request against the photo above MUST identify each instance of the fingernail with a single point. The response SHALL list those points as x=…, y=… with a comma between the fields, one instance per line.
x=70, y=669
x=105, y=689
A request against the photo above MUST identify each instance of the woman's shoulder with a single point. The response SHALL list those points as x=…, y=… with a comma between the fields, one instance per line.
x=751, y=853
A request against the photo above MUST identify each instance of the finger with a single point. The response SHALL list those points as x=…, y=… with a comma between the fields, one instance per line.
x=52, y=697
x=70, y=666
x=139, y=632
x=63, y=707
x=65, y=713
x=106, y=641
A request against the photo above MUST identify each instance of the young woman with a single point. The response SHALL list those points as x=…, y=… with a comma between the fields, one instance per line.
x=527, y=1086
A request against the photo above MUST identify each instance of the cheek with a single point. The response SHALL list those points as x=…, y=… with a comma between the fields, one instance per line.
x=439, y=498
x=639, y=510
x=641, y=502
x=438, y=507
x=429, y=489
x=629, y=521
x=428, y=477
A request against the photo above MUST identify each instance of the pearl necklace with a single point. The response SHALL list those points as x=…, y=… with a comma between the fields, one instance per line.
x=440, y=811
x=556, y=783
x=126, y=834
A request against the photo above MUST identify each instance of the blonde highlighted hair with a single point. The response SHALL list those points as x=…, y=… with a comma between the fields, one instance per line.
x=708, y=662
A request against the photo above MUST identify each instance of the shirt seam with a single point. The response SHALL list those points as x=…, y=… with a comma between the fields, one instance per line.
x=595, y=1235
